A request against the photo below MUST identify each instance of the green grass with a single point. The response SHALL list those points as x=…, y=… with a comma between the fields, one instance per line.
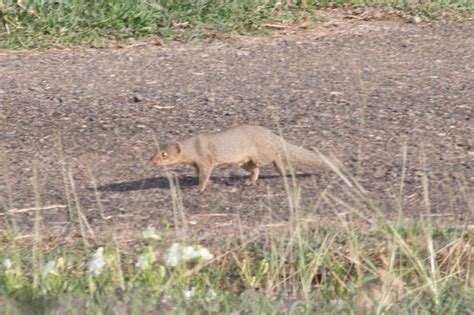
x=46, y=23
x=311, y=270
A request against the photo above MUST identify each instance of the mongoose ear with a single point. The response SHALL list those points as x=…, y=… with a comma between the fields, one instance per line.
x=177, y=147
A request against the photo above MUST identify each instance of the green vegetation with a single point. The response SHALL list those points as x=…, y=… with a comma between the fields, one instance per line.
x=45, y=23
x=391, y=269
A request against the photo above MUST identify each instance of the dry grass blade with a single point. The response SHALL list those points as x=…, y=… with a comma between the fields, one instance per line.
x=92, y=177
x=82, y=219
x=50, y=207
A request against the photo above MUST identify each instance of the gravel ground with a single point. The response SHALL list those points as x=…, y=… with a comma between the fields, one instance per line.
x=357, y=90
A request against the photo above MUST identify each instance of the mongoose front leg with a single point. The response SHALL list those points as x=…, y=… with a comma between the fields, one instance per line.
x=204, y=172
x=254, y=172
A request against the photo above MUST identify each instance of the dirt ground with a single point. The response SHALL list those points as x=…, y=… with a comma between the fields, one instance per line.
x=357, y=90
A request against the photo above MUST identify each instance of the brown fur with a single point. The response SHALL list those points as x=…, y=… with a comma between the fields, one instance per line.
x=245, y=145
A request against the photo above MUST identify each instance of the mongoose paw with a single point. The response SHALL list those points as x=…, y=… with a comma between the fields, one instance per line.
x=201, y=188
x=248, y=182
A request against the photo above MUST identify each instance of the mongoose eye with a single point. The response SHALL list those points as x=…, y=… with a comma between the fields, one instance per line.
x=164, y=155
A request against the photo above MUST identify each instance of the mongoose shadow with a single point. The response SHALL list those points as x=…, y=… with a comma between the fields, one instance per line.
x=162, y=182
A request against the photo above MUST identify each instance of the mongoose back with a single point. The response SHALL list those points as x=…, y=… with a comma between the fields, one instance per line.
x=244, y=145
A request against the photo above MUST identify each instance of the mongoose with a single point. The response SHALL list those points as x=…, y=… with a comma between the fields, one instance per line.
x=244, y=145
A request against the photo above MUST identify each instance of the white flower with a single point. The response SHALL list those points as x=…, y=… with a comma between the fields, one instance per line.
x=142, y=262
x=211, y=294
x=49, y=268
x=145, y=260
x=205, y=254
x=97, y=262
x=150, y=232
x=172, y=261
x=172, y=258
x=7, y=263
x=189, y=293
x=189, y=253
x=177, y=253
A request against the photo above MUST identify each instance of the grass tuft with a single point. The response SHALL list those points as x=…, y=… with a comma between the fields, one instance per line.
x=320, y=269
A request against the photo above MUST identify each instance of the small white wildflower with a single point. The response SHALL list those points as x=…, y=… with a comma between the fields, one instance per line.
x=150, y=232
x=174, y=247
x=97, y=262
x=172, y=261
x=142, y=262
x=189, y=253
x=189, y=293
x=7, y=263
x=49, y=268
x=211, y=294
x=177, y=253
x=145, y=260
x=172, y=256
x=205, y=254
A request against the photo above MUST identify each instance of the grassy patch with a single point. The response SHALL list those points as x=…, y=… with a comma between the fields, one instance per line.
x=307, y=270
x=44, y=23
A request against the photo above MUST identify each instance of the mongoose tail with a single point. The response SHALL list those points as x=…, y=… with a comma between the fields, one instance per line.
x=300, y=156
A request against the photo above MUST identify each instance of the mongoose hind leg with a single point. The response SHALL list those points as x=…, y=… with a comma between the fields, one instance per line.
x=278, y=164
x=254, y=172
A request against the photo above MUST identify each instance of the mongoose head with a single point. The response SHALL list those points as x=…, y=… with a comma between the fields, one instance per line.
x=167, y=155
